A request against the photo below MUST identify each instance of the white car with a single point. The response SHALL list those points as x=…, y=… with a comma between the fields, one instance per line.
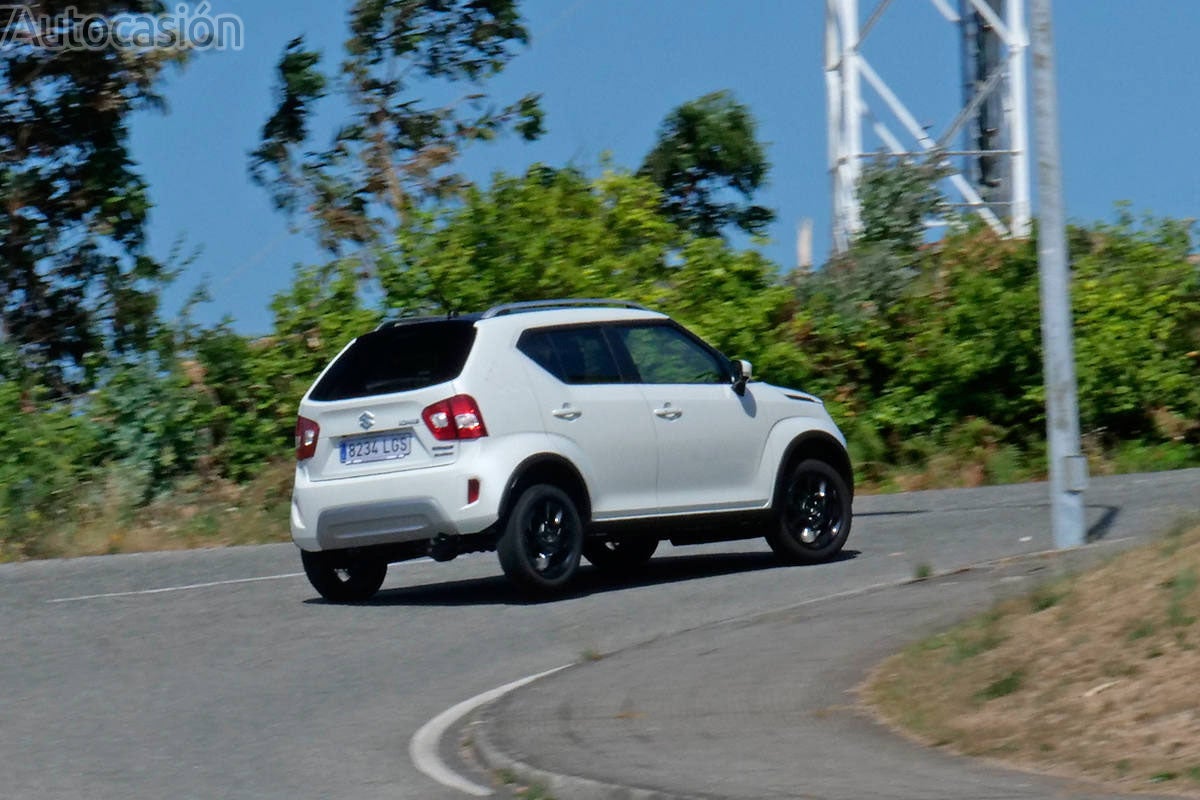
x=551, y=430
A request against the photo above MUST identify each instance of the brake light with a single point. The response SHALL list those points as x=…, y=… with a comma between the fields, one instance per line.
x=307, y=433
x=455, y=418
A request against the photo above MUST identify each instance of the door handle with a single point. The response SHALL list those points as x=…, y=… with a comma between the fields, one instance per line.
x=567, y=413
x=668, y=412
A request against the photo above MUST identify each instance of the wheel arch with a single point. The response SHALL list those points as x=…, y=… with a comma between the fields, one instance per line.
x=554, y=470
x=819, y=445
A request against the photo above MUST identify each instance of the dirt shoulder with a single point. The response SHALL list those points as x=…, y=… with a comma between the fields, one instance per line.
x=1095, y=675
x=107, y=517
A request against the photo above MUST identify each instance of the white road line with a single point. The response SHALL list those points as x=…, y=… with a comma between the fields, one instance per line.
x=166, y=589
x=423, y=749
x=190, y=586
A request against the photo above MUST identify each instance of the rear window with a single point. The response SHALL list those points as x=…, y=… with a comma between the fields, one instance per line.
x=398, y=359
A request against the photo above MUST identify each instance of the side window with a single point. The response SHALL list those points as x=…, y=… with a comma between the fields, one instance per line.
x=573, y=355
x=664, y=354
x=540, y=348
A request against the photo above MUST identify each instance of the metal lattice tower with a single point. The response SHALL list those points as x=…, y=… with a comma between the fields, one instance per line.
x=990, y=173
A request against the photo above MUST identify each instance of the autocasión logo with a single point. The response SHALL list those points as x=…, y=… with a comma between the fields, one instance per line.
x=184, y=27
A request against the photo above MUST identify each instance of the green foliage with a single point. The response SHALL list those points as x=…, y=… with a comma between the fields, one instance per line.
x=974, y=346
x=975, y=638
x=395, y=151
x=707, y=150
x=315, y=318
x=301, y=85
x=250, y=404
x=546, y=234
x=74, y=278
x=147, y=415
x=1181, y=587
x=959, y=344
x=1142, y=630
x=555, y=233
x=1148, y=455
x=258, y=383
x=897, y=196
x=734, y=300
x=47, y=449
x=1003, y=686
x=1137, y=314
x=1047, y=596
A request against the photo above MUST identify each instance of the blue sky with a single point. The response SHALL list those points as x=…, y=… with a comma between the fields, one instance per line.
x=610, y=70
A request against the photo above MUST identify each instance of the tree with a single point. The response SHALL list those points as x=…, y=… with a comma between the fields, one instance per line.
x=395, y=152
x=897, y=196
x=706, y=151
x=554, y=233
x=548, y=233
x=74, y=275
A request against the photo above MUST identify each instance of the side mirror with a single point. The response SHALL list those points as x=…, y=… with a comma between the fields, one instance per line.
x=742, y=373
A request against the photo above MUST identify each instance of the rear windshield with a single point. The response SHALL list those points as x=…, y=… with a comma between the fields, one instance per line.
x=398, y=359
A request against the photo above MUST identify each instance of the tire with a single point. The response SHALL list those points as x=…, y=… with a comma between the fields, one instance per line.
x=812, y=514
x=342, y=579
x=620, y=554
x=542, y=541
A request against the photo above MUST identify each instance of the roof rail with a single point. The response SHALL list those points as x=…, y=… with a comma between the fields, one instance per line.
x=417, y=319
x=543, y=305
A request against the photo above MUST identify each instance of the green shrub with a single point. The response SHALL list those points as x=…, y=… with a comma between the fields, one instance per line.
x=47, y=450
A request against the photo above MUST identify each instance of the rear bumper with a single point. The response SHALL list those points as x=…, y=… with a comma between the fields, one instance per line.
x=380, y=523
x=352, y=512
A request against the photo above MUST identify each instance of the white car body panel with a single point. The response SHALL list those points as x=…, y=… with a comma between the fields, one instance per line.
x=604, y=430
x=710, y=443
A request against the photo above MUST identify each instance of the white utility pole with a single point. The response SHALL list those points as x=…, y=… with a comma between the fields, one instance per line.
x=1068, y=467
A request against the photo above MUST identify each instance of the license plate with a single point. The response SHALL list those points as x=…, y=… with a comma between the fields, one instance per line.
x=378, y=447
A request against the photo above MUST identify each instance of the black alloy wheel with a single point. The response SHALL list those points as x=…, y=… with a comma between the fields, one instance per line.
x=542, y=540
x=813, y=514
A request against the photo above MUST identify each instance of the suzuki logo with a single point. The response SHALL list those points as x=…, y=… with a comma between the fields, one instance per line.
x=366, y=421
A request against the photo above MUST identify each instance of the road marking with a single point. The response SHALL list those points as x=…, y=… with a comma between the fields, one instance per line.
x=211, y=584
x=166, y=589
x=423, y=748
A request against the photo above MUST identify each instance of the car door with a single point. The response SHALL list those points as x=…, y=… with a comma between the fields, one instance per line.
x=585, y=400
x=710, y=439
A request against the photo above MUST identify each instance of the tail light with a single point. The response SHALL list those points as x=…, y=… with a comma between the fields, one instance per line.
x=307, y=433
x=456, y=418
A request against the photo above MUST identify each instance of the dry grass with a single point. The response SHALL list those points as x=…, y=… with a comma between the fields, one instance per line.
x=106, y=519
x=1093, y=676
x=964, y=466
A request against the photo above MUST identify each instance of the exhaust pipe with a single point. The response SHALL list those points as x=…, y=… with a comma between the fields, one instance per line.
x=443, y=548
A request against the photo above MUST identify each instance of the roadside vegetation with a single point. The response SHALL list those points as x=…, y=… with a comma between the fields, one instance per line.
x=129, y=428
x=1090, y=676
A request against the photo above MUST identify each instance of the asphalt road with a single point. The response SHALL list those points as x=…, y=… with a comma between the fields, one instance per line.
x=218, y=674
